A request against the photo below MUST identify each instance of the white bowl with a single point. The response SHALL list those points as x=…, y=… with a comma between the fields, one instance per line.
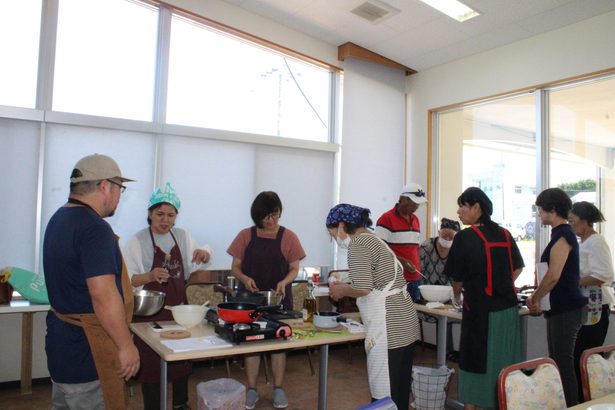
x=436, y=293
x=188, y=315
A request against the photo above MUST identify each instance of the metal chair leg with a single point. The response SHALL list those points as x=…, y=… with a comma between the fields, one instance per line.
x=266, y=364
x=228, y=368
x=310, y=361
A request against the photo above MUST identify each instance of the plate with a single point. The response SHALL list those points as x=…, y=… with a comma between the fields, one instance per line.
x=604, y=406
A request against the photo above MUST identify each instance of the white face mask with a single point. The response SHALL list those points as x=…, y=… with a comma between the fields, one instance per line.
x=444, y=243
x=342, y=243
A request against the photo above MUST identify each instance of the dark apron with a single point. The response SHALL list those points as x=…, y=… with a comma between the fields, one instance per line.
x=175, y=290
x=476, y=309
x=263, y=261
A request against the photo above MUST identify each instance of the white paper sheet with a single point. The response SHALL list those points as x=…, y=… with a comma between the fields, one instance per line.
x=196, y=343
x=541, y=271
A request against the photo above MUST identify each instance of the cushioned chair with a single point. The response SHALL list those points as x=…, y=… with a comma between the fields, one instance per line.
x=533, y=384
x=598, y=372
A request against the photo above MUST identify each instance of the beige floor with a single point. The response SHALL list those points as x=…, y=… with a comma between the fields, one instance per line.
x=348, y=388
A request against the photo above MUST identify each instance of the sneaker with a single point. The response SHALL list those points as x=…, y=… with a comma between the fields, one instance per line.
x=279, y=398
x=251, y=399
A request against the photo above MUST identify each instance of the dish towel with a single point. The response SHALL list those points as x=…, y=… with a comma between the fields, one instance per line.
x=353, y=326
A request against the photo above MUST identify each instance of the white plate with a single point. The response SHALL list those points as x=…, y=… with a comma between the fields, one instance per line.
x=605, y=406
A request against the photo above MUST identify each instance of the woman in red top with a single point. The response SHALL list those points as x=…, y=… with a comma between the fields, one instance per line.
x=266, y=256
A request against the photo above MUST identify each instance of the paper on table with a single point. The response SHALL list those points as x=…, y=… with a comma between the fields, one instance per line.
x=196, y=343
x=541, y=271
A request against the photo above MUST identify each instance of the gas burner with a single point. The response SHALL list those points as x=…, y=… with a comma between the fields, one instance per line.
x=242, y=326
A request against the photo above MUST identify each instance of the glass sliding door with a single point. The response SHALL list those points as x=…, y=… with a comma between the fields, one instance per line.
x=491, y=146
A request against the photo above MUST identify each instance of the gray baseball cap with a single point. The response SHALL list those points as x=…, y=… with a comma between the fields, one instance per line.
x=96, y=167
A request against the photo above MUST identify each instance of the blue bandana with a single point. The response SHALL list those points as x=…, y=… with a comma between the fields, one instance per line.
x=346, y=213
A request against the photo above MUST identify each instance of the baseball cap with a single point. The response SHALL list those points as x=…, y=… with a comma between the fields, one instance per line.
x=414, y=192
x=96, y=167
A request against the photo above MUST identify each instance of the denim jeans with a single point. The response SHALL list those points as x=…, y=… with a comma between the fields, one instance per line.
x=562, y=330
x=413, y=290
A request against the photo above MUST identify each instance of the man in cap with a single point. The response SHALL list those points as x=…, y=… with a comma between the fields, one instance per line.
x=89, y=347
x=401, y=230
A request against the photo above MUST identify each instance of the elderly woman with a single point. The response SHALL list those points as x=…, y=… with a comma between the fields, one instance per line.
x=484, y=262
x=161, y=257
x=266, y=256
x=567, y=304
x=390, y=320
x=596, y=276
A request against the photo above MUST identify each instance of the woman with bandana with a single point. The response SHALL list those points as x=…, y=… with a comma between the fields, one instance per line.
x=387, y=311
x=162, y=257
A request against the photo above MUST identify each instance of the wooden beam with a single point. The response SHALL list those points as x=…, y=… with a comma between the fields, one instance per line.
x=351, y=50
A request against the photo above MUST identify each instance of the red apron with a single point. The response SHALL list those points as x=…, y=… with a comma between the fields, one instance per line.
x=175, y=289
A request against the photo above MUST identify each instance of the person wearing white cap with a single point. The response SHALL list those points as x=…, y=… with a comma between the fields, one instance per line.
x=401, y=230
x=89, y=347
x=162, y=257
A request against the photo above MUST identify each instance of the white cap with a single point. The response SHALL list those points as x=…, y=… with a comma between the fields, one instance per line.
x=415, y=193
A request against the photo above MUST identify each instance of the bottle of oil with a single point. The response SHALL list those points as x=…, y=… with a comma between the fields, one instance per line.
x=309, y=304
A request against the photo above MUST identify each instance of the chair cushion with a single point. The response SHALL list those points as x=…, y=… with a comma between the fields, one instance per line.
x=542, y=390
x=601, y=375
x=199, y=293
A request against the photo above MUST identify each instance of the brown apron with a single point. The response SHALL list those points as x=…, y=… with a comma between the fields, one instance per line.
x=175, y=290
x=104, y=350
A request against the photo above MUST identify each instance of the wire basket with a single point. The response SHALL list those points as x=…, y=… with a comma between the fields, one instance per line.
x=429, y=387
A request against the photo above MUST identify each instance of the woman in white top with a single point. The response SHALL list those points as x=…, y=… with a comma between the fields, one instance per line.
x=161, y=258
x=596, y=272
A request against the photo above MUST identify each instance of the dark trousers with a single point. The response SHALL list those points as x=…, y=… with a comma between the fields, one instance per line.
x=588, y=337
x=400, y=375
x=151, y=393
x=562, y=330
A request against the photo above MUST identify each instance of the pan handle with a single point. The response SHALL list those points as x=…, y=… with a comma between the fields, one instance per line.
x=273, y=308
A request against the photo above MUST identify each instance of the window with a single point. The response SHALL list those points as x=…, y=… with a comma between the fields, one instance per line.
x=19, y=38
x=105, y=58
x=221, y=82
x=496, y=142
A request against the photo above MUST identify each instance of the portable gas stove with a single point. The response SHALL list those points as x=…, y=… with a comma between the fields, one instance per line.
x=247, y=332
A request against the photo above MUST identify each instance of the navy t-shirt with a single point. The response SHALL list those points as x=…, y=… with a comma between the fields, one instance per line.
x=566, y=294
x=78, y=245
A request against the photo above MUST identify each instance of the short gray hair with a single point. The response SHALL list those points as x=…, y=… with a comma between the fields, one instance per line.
x=83, y=188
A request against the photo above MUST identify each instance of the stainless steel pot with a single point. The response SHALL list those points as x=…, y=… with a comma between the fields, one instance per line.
x=271, y=298
x=148, y=302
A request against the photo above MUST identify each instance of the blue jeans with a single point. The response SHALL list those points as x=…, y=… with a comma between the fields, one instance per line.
x=413, y=290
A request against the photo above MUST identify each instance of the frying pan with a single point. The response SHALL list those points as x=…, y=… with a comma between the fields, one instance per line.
x=242, y=296
x=238, y=312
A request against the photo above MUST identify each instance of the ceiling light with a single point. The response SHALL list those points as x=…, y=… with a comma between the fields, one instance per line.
x=452, y=8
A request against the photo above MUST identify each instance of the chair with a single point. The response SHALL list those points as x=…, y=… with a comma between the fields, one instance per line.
x=598, y=371
x=300, y=293
x=542, y=389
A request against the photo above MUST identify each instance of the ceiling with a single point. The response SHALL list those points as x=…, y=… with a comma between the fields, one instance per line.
x=420, y=37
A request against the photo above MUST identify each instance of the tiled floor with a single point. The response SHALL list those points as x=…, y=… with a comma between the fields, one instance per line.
x=348, y=388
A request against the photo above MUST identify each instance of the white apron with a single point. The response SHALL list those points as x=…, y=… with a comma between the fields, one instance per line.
x=373, y=314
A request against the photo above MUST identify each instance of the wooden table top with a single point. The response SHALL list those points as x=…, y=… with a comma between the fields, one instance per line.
x=609, y=399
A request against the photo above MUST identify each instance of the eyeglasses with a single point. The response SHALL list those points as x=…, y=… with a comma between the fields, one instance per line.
x=273, y=215
x=418, y=193
x=122, y=187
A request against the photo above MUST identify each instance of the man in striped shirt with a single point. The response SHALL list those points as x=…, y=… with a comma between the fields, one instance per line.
x=400, y=228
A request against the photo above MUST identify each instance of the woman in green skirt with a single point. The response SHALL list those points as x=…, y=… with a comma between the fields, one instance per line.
x=484, y=262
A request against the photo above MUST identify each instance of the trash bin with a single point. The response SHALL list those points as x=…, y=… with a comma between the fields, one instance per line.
x=429, y=386
x=221, y=394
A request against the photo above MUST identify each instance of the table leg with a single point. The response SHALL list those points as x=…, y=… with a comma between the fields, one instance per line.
x=441, y=341
x=26, y=352
x=163, y=384
x=322, y=377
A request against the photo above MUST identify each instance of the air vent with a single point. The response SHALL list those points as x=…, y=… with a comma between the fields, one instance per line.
x=374, y=11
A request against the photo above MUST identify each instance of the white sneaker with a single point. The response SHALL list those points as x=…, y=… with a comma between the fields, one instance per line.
x=251, y=399
x=280, y=401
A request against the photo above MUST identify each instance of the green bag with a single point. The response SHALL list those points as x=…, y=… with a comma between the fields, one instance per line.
x=30, y=285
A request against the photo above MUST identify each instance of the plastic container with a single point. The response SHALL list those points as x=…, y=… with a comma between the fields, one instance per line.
x=221, y=394
x=429, y=387
x=382, y=404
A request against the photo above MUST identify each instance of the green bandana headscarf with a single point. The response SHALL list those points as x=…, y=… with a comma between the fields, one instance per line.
x=167, y=195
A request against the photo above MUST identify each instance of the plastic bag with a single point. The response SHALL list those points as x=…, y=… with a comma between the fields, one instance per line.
x=221, y=394
x=382, y=404
x=30, y=285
